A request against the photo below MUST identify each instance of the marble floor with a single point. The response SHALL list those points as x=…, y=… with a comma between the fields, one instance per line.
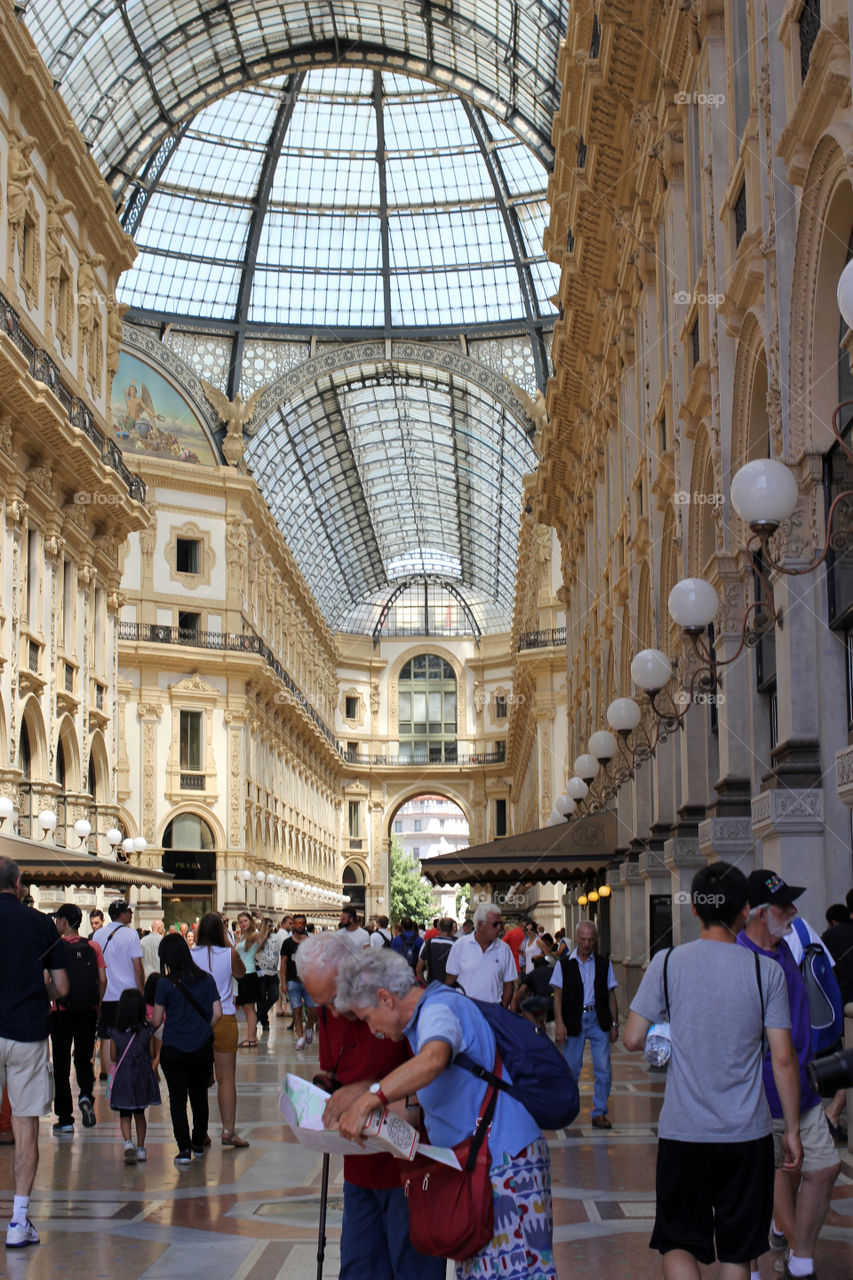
x=252, y=1214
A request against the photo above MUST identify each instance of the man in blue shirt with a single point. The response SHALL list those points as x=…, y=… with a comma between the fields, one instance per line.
x=29, y=944
x=799, y=1207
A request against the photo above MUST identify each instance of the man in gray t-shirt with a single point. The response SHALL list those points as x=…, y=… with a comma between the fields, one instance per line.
x=715, y=1150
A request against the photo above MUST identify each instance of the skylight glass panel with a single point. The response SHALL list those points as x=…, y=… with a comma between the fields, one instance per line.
x=180, y=286
x=194, y=227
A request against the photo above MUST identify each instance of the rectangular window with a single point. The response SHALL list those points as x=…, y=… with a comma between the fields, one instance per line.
x=500, y=817
x=809, y=28
x=740, y=69
x=32, y=577
x=418, y=825
x=190, y=740
x=740, y=214
x=187, y=555
x=351, y=708
x=189, y=621
x=398, y=827
x=354, y=819
x=695, y=170
x=416, y=852
x=695, y=348
x=352, y=748
x=500, y=706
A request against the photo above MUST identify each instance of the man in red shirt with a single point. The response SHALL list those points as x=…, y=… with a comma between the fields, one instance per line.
x=73, y=1020
x=375, y=1241
x=513, y=938
x=433, y=932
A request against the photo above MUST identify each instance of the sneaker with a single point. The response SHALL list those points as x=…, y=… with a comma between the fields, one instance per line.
x=141, y=1155
x=789, y=1275
x=59, y=1127
x=198, y=1153
x=129, y=1153
x=309, y=1036
x=183, y=1157
x=88, y=1111
x=20, y=1234
x=300, y=1043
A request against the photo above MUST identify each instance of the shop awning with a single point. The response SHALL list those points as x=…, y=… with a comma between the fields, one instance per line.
x=568, y=852
x=49, y=864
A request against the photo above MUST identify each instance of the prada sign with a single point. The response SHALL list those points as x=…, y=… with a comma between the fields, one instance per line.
x=190, y=864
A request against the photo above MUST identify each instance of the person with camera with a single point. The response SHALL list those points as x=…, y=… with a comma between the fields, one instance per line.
x=800, y=1198
x=375, y=1241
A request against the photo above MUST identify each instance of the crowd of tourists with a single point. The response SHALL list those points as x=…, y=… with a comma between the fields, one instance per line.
x=462, y=1030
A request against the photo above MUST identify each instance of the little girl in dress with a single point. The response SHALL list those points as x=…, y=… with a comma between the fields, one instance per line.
x=133, y=1085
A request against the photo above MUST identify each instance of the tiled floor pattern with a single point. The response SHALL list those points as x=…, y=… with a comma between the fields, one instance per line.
x=252, y=1214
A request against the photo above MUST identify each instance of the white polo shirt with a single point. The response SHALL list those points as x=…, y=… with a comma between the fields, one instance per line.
x=481, y=974
x=587, y=968
x=119, y=955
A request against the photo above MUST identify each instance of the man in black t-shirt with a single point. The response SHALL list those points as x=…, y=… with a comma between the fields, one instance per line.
x=29, y=944
x=432, y=961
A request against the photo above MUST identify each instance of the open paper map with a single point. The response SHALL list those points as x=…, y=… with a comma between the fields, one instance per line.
x=302, y=1105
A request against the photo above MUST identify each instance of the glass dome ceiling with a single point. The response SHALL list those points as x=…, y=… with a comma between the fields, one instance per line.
x=386, y=472
x=348, y=199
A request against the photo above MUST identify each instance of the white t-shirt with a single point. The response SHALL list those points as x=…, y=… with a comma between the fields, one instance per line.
x=530, y=948
x=358, y=937
x=481, y=974
x=380, y=937
x=150, y=952
x=119, y=956
x=217, y=962
x=268, y=959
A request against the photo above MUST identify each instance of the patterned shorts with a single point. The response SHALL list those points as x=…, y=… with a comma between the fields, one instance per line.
x=522, y=1246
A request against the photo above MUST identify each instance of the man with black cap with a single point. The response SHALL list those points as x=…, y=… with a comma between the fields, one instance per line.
x=74, y=1018
x=123, y=955
x=800, y=1201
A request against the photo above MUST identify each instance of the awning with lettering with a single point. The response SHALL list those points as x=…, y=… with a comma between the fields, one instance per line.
x=45, y=863
x=570, y=851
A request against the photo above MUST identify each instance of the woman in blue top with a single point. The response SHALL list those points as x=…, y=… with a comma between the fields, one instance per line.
x=379, y=987
x=188, y=998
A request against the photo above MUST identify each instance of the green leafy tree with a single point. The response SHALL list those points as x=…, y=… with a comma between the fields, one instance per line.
x=411, y=894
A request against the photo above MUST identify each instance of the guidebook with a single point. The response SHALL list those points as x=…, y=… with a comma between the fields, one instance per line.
x=302, y=1105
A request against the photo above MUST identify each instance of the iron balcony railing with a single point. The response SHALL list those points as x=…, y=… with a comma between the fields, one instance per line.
x=43, y=369
x=226, y=642
x=474, y=758
x=552, y=639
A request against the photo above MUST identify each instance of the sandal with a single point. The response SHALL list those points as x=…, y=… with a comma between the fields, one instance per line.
x=246, y=1044
x=233, y=1139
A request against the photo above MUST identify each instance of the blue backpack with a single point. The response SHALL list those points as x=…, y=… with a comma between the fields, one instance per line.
x=825, y=1003
x=540, y=1075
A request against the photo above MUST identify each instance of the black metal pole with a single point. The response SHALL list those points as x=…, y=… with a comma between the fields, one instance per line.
x=324, y=1196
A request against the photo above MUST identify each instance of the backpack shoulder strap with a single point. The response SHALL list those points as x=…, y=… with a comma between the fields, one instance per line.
x=110, y=938
x=801, y=932
x=666, y=984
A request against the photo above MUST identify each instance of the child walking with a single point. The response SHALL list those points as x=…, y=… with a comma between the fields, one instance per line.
x=133, y=1085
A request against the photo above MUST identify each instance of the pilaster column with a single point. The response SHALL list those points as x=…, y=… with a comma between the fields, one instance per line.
x=790, y=826
x=636, y=941
x=149, y=713
x=728, y=840
x=683, y=857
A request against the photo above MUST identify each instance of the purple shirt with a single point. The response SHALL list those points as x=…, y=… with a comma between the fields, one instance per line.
x=801, y=1026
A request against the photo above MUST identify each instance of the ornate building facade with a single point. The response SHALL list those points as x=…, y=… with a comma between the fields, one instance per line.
x=701, y=212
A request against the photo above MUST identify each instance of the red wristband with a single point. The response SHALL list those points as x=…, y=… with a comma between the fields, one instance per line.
x=377, y=1093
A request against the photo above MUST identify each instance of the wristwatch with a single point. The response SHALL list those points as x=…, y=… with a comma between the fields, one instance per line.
x=377, y=1090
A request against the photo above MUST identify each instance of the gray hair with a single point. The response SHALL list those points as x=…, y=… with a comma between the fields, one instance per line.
x=324, y=951
x=589, y=924
x=485, y=910
x=367, y=972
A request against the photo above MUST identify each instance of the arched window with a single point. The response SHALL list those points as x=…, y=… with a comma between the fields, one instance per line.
x=25, y=755
x=426, y=706
x=352, y=884
x=188, y=832
x=60, y=765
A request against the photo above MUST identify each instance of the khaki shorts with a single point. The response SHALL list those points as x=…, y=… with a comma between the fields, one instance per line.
x=25, y=1071
x=818, y=1148
x=225, y=1034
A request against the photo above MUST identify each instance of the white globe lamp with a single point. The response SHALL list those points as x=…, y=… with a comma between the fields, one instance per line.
x=82, y=830
x=140, y=844
x=764, y=493
x=586, y=766
x=693, y=604
x=651, y=670
x=565, y=805
x=603, y=745
x=577, y=788
x=623, y=715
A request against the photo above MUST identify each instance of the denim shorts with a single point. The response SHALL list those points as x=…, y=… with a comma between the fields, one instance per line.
x=299, y=996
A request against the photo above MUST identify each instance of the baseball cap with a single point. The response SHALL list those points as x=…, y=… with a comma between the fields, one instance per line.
x=70, y=912
x=767, y=889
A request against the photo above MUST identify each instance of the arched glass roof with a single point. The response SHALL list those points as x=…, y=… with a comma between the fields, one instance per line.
x=134, y=71
x=387, y=471
x=344, y=199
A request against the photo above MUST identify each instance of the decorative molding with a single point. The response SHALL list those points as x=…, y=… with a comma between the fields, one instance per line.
x=784, y=812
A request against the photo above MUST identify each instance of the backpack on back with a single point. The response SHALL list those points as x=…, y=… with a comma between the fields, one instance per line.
x=84, y=990
x=410, y=950
x=825, y=1003
x=541, y=1079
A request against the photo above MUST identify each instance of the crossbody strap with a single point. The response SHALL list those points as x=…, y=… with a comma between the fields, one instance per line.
x=110, y=938
x=484, y=1119
x=124, y=1055
x=666, y=984
x=179, y=986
